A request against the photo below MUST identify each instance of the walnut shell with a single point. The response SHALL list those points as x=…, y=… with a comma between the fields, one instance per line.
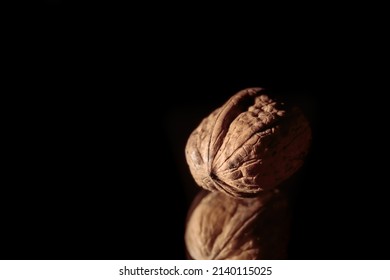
x=220, y=227
x=249, y=145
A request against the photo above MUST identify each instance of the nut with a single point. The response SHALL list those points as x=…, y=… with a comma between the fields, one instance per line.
x=249, y=145
x=220, y=227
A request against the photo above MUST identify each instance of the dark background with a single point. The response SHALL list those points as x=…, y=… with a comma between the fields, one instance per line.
x=101, y=105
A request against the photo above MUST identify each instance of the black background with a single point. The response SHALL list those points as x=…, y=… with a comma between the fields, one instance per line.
x=101, y=107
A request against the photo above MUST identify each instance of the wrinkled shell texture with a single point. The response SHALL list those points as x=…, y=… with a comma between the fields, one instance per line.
x=220, y=227
x=249, y=145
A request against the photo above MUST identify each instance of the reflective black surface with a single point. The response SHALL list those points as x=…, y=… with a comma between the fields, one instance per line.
x=98, y=117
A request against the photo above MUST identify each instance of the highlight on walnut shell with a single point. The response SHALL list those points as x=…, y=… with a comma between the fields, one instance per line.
x=249, y=145
x=220, y=227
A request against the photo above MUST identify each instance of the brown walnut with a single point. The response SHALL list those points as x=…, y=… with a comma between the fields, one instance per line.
x=249, y=145
x=220, y=227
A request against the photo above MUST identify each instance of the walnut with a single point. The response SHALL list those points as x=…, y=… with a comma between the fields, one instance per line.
x=220, y=227
x=249, y=145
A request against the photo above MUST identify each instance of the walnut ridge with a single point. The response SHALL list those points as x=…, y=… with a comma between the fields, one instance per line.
x=249, y=145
